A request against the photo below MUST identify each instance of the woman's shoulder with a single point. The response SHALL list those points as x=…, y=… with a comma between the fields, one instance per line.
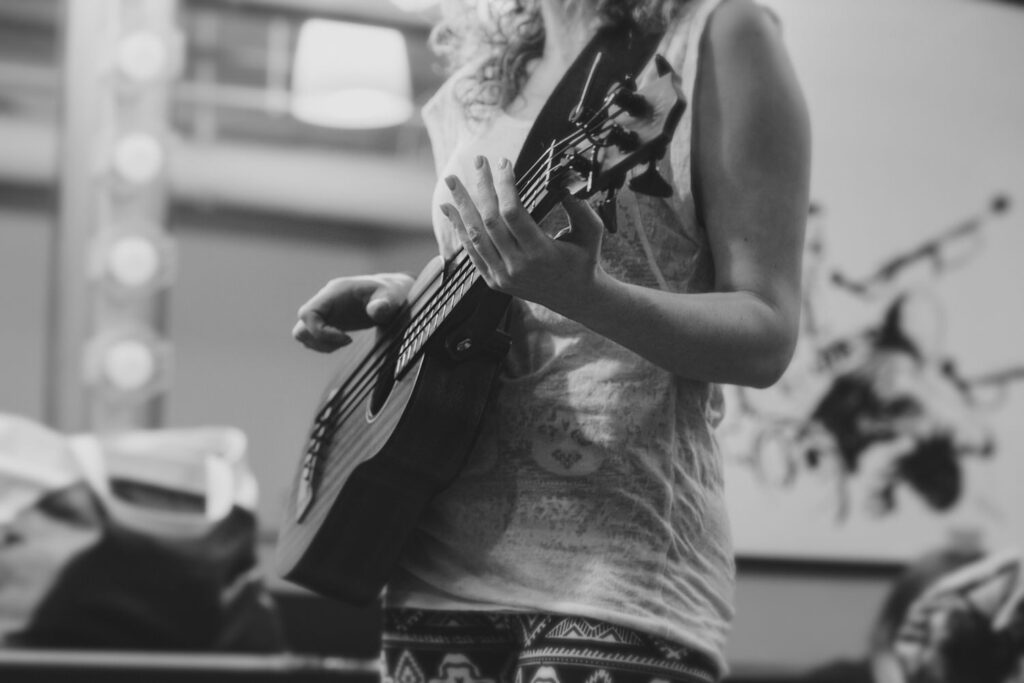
x=444, y=115
x=440, y=103
x=445, y=99
x=721, y=19
x=742, y=20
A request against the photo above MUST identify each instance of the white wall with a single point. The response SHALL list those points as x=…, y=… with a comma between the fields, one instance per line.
x=25, y=237
x=918, y=121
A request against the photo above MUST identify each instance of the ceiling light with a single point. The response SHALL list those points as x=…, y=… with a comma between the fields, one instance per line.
x=348, y=75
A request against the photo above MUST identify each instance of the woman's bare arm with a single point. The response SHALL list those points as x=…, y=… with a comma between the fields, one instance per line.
x=751, y=156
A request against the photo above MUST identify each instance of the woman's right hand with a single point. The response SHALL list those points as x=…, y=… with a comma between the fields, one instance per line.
x=349, y=303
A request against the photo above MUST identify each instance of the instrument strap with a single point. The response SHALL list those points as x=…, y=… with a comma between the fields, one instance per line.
x=623, y=52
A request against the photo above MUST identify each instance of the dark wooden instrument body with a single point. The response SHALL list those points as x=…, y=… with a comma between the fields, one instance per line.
x=391, y=462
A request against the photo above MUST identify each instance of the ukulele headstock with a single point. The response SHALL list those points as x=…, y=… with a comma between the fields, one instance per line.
x=631, y=127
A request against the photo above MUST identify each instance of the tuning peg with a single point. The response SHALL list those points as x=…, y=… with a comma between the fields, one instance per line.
x=626, y=140
x=580, y=164
x=632, y=103
x=662, y=65
x=650, y=183
x=608, y=211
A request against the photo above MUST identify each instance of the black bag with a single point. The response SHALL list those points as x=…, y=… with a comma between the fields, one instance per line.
x=142, y=540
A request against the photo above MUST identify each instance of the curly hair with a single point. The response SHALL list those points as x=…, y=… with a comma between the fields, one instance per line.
x=495, y=41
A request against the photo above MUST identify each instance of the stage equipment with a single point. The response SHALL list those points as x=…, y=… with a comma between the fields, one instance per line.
x=109, y=362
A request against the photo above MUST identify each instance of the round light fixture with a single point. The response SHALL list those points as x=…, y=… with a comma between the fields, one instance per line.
x=142, y=56
x=129, y=365
x=133, y=261
x=138, y=158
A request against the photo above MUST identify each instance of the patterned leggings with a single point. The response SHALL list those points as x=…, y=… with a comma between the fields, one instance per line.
x=484, y=647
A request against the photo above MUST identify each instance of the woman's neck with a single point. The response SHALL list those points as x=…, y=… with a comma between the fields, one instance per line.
x=568, y=26
x=567, y=30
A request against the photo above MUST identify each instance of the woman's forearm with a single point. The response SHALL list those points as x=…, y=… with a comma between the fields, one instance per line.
x=728, y=337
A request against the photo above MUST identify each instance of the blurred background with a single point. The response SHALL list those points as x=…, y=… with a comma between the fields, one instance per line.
x=178, y=176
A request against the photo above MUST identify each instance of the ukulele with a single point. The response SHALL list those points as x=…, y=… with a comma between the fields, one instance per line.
x=397, y=423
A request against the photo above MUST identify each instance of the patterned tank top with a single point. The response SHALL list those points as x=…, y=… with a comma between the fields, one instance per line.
x=595, y=486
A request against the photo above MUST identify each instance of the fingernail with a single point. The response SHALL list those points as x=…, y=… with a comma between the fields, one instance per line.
x=504, y=163
x=450, y=182
x=378, y=306
x=480, y=161
x=333, y=335
x=446, y=210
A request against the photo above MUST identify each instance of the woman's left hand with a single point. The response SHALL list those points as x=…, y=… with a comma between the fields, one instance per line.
x=512, y=253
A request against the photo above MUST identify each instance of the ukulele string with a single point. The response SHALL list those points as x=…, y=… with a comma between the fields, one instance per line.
x=533, y=182
x=531, y=186
x=459, y=279
x=365, y=383
x=531, y=178
x=352, y=399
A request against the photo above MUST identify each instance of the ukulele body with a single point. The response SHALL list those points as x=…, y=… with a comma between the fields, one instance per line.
x=394, y=448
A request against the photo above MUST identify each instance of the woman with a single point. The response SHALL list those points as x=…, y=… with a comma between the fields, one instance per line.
x=587, y=537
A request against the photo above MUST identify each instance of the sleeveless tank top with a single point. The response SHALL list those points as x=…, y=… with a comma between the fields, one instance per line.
x=595, y=486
